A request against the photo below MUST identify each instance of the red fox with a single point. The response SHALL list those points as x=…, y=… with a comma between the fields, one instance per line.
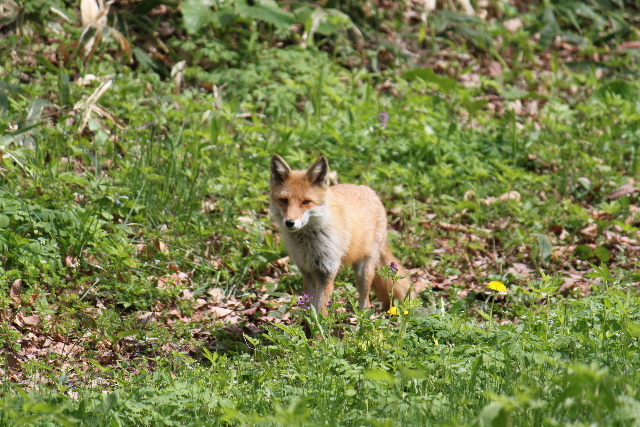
x=326, y=226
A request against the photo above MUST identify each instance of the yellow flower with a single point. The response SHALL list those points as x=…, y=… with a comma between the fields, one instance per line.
x=393, y=310
x=497, y=286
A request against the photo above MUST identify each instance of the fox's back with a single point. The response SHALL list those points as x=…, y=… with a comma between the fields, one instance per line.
x=359, y=216
x=358, y=198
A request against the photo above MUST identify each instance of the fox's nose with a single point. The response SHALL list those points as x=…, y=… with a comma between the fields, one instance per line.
x=289, y=223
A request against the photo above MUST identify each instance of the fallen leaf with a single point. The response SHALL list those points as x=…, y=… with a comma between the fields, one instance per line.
x=635, y=44
x=70, y=261
x=511, y=195
x=30, y=320
x=495, y=69
x=16, y=290
x=13, y=362
x=219, y=312
x=590, y=231
x=160, y=246
x=186, y=294
x=513, y=24
x=623, y=190
x=146, y=317
x=520, y=269
x=201, y=303
x=217, y=294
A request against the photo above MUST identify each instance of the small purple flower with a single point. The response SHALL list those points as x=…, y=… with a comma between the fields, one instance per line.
x=304, y=301
x=394, y=266
x=384, y=118
x=331, y=301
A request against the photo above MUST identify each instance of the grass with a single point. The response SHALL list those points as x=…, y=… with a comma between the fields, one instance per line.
x=119, y=240
x=573, y=363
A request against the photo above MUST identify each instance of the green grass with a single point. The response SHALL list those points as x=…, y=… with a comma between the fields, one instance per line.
x=164, y=199
x=572, y=363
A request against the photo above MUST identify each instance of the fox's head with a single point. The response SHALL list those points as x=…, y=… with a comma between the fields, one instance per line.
x=298, y=197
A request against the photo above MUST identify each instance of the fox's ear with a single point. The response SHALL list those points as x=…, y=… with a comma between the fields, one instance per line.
x=280, y=170
x=317, y=173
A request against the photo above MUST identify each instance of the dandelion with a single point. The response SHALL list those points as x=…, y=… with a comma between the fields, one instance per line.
x=497, y=286
x=384, y=118
x=393, y=310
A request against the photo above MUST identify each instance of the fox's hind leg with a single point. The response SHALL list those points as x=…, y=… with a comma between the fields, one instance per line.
x=385, y=288
x=365, y=272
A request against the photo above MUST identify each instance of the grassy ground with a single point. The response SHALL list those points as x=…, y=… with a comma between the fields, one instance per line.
x=142, y=283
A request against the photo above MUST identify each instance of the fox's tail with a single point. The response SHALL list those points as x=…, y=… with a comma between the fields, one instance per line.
x=385, y=287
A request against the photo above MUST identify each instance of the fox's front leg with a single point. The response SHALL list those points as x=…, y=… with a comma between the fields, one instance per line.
x=319, y=286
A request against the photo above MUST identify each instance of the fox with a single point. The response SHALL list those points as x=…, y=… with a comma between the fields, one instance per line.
x=326, y=226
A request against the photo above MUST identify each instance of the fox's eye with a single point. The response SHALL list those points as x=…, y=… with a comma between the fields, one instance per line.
x=284, y=201
x=306, y=202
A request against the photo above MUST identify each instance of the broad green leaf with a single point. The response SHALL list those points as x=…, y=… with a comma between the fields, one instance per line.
x=513, y=93
x=583, y=252
x=474, y=105
x=603, y=254
x=380, y=375
x=197, y=14
x=622, y=88
x=63, y=88
x=445, y=83
x=4, y=102
x=545, y=248
x=266, y=11
x=633, y=328
x=494, y=414
x=484, y=314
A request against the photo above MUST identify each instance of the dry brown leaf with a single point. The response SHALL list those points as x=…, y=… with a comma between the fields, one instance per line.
x=495, y=69
x=186, y=294
x=13, y=362
x=520, y=269
x=32, y=320
x=590, y=231
x=623, y=190
x=16, y=290
x=160, y=246
x=219, y=312
x=201, y=303
x=217, y=294
x=250, y=311
x=604, y=215
x=146, y=317
x=90, y=12
x=511, y=195
x=635, y=44
x=70, y=261
x=513, y=24
x=452, y=227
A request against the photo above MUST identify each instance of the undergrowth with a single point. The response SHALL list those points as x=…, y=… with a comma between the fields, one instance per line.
x=133, y=213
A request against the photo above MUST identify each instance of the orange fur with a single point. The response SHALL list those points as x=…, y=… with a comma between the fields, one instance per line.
x=326, y=226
